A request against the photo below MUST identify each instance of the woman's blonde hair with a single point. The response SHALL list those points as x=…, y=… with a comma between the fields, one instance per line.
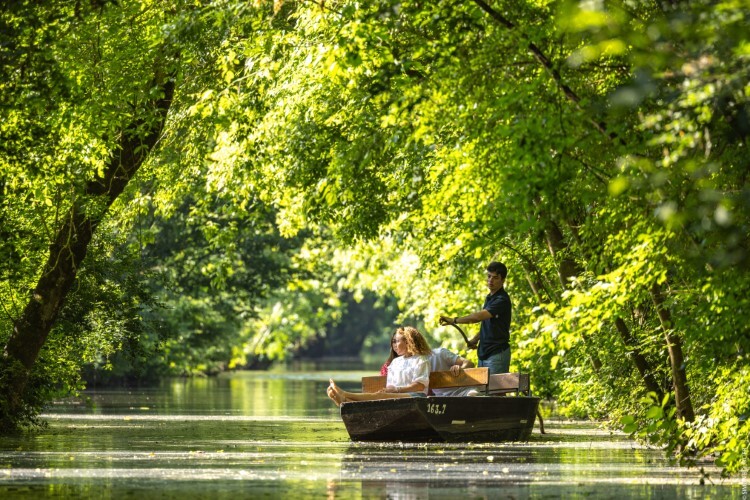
x=415, y=342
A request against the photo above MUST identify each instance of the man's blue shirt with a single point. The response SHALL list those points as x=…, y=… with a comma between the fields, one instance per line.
x=494, y=333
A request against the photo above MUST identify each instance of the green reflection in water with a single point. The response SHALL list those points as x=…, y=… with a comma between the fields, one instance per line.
x=273, y=434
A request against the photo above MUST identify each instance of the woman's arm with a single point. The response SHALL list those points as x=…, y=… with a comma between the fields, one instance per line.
x=461, y=364
x=413, y=387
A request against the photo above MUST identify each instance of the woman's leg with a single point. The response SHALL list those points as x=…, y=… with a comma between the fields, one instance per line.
x=345, y=396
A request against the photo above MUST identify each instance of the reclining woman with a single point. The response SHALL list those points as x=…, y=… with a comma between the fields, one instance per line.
x=408, y=374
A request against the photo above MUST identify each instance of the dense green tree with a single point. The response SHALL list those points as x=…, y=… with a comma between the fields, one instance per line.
x=76, y=131
x=209, y=267
x=598, y=148
x=161, y=269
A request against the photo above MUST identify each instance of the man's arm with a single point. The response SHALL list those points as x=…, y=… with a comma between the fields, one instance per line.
x=474, y=317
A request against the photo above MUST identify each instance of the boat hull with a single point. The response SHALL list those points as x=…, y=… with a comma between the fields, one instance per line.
x=441, y=418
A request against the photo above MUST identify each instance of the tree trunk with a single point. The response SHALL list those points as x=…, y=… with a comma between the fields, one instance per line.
x=67, y=252
x=555, y=240
x=676, y=359
x=566, y=269
x=556, y=243
x=534, y=286
x=640, y=361
x=533, y=275
x=644, y=368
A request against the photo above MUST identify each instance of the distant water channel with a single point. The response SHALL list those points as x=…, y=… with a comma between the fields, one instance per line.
x=276, y=434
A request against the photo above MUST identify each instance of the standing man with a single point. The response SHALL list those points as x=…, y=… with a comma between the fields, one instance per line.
x=494, y=332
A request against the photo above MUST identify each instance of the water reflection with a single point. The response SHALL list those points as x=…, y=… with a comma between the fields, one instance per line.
x=277, y=435
x=242, y=393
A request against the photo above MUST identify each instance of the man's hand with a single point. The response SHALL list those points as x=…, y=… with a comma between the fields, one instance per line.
x=456, y=370
x=445, y=320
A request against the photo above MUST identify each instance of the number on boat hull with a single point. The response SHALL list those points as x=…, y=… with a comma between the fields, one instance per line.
x=437, y=409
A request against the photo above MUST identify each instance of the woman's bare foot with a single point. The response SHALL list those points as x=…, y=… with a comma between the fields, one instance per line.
x=340, y=394
x=334, y=397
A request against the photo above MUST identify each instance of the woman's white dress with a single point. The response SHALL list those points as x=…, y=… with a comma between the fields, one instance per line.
x=405, y=371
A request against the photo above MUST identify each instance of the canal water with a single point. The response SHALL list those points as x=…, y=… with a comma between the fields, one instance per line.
x=276, y=434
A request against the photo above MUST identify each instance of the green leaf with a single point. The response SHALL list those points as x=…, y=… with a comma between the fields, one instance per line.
x=655, y=412
x=630, y=428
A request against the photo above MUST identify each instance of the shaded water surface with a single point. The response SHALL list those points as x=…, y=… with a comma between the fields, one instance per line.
x=266, y=434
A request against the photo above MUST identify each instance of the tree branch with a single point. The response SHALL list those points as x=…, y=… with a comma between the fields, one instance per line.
x=547, y=64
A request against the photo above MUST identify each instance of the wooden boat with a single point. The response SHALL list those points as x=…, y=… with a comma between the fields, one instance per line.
x=441, y=418
x=487, y=418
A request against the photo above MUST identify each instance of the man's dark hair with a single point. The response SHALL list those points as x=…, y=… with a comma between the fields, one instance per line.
x=498, y=268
